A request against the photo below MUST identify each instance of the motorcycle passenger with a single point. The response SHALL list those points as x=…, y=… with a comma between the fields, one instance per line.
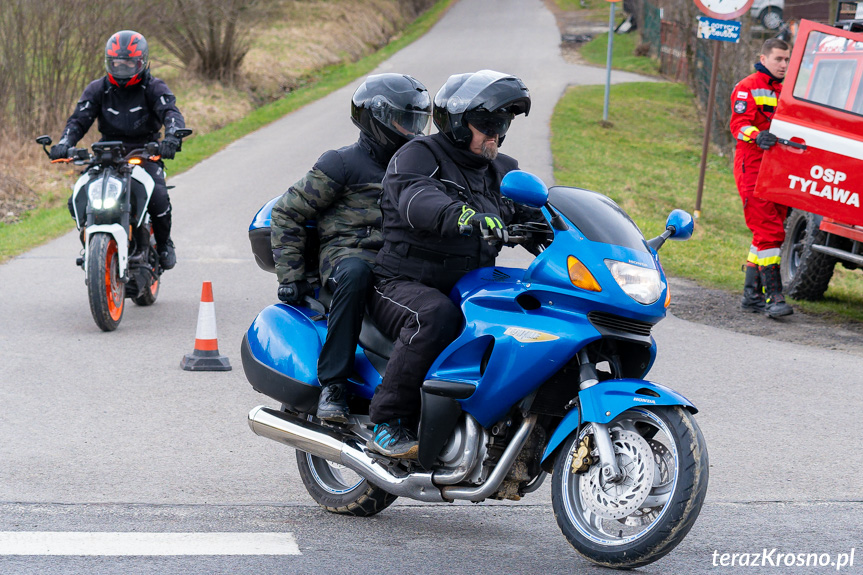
x=342, y=193
x=441, y=195
x=753, y=103
x=132, y=107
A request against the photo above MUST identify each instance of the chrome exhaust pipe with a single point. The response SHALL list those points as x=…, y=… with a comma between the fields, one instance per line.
x=500, y=470
x=321, y=442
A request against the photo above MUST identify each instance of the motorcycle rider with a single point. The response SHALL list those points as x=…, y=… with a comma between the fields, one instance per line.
x=753, y=102
x=441, y=195
x=342, y=193
x=131, y=106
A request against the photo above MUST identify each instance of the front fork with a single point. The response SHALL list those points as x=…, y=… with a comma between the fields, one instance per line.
x=588, y=378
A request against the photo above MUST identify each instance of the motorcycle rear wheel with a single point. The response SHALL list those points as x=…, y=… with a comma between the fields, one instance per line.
x=627, y=525
x=105, y=290
x=151, y=291
x=340, y=490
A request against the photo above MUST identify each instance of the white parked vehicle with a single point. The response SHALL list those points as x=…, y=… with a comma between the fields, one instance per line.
x=769, y=12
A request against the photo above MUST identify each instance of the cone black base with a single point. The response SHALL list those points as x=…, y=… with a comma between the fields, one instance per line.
x=205, y=361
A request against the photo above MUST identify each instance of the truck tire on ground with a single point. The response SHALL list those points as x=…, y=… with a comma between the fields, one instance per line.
x=806, y=273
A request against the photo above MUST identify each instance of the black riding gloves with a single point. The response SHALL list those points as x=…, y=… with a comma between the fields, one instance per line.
x=293, y=292
x=168, y=147
x=487, y=224
x=59, y=151
x=765, y=140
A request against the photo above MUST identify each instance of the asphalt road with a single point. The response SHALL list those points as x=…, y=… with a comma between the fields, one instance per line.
x=103, y=432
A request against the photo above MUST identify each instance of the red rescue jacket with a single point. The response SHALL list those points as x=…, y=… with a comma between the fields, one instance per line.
x=753, y=102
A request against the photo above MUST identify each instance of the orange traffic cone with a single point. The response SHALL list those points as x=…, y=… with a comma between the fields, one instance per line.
x=205, y=356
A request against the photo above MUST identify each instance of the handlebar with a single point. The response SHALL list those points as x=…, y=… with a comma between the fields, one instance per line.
x=520, y=233
x=150, y=151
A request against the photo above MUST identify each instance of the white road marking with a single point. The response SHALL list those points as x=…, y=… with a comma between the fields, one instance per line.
x=117, y=544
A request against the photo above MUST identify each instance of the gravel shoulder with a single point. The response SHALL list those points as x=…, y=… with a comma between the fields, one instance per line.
x=719, y=308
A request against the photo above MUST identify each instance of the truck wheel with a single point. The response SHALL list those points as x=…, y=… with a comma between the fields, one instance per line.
x=806, y=273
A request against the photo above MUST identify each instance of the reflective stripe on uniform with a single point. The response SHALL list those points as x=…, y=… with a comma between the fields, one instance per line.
x=768, y=257
x=747, y=133
x=764, y=97
x=753, y=255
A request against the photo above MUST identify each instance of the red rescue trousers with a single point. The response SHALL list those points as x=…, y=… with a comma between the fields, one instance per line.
x=766, y=220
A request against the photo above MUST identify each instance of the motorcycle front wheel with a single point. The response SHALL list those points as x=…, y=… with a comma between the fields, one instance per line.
x=636, y=520
x=105, y=290
x=339, y=490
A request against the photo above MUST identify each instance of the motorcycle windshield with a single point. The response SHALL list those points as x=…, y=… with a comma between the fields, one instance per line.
x=597, y=217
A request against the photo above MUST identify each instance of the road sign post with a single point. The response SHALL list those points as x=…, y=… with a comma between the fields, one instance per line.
x=608, y=59
x=717, y=27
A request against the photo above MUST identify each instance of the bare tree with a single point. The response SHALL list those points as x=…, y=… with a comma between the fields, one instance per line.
x=210, y=37
x=49, y=51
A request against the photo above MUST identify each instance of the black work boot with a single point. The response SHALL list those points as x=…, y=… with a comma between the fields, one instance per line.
x=167, y=255
x=774, y=301
x=333, y=403
x=753, y=295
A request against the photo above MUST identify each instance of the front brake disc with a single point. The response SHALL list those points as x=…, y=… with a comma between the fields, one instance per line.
x=619, y=499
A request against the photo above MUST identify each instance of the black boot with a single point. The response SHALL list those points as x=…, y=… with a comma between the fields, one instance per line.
x=333, y=403
x=753, y=295
x=164, y=245
x=167, y=255
x=774, y=301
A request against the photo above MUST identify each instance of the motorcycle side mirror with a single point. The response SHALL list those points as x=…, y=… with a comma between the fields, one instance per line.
x=524, y=188
x=183, y=132
x=44, y=140
x=681, y=223
x=678, y=226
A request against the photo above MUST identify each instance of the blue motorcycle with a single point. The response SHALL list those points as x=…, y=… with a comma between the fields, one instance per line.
x=545, y=377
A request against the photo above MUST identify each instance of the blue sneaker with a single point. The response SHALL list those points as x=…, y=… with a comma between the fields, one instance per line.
x=394, y=440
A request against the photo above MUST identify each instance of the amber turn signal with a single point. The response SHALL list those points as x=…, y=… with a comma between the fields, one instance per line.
x=580, y=276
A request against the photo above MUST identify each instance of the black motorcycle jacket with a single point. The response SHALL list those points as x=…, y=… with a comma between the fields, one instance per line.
x=427, y=183
x=132, y=115
x=342, y=193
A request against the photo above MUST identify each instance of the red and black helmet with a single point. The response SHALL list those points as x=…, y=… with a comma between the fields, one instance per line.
x=127, y=58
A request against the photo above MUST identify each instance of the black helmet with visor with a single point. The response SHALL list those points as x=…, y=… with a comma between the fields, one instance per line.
x=127, y=58
x=487, y=100
x=391, y=109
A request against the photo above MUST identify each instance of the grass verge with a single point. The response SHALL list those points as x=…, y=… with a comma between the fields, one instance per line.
x=43, y=224
x=648, y=162
x=622, y=54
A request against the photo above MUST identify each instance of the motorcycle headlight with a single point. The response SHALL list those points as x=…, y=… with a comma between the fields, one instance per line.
x=112, y=193
x=641, y=284
x=94, y=193
x=110, y=197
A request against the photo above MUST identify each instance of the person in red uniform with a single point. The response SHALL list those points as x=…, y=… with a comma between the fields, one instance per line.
x=753, y=102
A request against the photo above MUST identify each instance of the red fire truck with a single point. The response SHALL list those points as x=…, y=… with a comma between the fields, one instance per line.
x=817, y=168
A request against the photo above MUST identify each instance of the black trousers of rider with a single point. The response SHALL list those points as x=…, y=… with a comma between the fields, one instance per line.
x=423, y=321
x=159, y=207
x=350, y=282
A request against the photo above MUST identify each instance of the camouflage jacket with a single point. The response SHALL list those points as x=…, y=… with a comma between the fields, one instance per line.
x=342, y=194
